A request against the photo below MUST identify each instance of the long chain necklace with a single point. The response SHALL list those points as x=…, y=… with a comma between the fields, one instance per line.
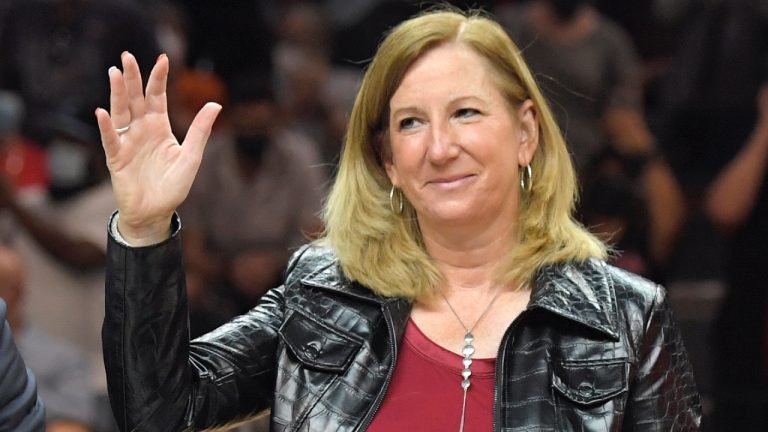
x=467, y=351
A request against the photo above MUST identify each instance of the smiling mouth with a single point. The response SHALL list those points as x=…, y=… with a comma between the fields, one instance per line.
x=451, y=182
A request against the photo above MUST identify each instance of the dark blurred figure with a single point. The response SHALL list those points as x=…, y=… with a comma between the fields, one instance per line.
x=737, y=202
x=654, y=26
x=63, y=378
x=358, y=25
x=227, y=37
x=711, y=128
x=315, y=95
x=615, y=208
x=189, y=87
x=257, y=196
x=588, y=68
x=54, y=53
x=21, y=410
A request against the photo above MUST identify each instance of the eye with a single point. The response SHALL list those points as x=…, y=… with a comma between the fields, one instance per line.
x=466, y=112
x=408, y=123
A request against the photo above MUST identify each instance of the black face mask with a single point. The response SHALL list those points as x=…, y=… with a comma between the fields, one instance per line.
x=566, y=9
x=252, y=146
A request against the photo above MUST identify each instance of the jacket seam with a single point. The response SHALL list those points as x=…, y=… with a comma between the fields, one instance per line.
x=122, y=337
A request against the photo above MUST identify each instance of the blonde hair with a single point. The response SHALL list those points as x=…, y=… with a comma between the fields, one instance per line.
x=384, y=251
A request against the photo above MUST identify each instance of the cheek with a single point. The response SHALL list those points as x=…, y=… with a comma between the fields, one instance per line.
x=406, y=154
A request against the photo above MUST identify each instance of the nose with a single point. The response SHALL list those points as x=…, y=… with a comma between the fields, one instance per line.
x=443, y=145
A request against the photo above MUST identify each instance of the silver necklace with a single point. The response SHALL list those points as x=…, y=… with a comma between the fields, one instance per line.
x=467, y=351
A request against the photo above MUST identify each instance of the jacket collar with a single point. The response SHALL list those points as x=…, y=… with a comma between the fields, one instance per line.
x=578, y=291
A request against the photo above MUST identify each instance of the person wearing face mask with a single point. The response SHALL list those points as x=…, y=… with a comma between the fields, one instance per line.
x=60, y=239
x=257, y=195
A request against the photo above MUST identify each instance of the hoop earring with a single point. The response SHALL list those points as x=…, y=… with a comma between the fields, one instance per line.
x=526, y=179
x=392, y=200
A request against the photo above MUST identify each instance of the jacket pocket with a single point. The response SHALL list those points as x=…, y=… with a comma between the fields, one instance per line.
x=590, y=395
x=317, y=345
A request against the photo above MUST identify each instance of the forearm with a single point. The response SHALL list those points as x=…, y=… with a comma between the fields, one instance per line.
x=732, y=195
x=77, y=253
x=666, y=208
x=145, y=337
x=158, y=380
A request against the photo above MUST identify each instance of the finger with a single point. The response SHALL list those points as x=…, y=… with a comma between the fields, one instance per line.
x=156, y=86
x=133, y=85
x=200, y=130
x=109, y=139
x=118, y=98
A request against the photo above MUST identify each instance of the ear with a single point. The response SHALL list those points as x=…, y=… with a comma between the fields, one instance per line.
x=528, y=121
x=388, y=159
x=389, y=166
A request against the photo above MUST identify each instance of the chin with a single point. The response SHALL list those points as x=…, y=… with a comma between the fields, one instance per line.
x=450, y=214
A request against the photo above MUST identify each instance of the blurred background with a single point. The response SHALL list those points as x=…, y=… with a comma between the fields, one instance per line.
x=663, y=103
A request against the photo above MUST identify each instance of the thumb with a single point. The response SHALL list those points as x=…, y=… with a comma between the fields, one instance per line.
x=200, y=129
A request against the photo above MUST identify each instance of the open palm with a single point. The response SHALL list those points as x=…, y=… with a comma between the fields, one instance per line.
x=151, y=172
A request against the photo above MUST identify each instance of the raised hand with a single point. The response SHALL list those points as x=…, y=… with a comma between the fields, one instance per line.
x=151, y=172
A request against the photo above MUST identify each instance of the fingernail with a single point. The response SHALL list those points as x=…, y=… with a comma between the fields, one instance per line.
x=111, y=68
x=123, y=54
x=161, y=56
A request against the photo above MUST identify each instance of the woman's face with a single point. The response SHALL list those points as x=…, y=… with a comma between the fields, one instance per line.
x=455, y=141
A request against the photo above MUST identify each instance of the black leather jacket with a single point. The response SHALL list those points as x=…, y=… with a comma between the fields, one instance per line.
x=595, y=350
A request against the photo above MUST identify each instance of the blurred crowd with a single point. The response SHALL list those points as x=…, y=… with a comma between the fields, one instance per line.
x=663, y=103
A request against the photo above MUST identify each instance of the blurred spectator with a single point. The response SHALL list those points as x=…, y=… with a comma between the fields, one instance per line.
x=22, y=162
x=62, y=241
x=587, y=66
x=188, y=87
x=315, y=95
x=588, y=69
x=737, y=201
x=55, y=53
x=708, y=124
x=707, y=108
x=627, y=202
x=63, y=378
x=257, y=195
x=230, y=36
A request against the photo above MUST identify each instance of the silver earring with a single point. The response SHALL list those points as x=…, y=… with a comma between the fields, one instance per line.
x=392, y=200
x=526, y=178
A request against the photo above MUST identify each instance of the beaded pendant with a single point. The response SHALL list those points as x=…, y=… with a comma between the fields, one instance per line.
x=467, y=351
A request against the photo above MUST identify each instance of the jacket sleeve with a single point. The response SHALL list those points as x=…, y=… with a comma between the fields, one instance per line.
x=663, y=395
x=157, y=379
x=20, y=407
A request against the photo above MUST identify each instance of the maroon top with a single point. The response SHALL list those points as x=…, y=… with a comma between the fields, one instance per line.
x=425, y=393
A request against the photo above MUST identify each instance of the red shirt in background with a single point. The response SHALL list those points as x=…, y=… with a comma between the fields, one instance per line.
x=25, y=164
x=425, y=393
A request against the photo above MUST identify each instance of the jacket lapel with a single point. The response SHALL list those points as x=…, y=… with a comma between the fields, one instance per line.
x=581, y=292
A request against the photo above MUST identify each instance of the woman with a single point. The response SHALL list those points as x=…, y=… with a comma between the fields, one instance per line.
x=452, y=289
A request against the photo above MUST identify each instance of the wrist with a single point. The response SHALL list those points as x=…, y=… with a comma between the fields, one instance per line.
x=144, y=234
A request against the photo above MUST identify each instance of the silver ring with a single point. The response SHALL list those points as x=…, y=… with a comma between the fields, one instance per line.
x=123, y=130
